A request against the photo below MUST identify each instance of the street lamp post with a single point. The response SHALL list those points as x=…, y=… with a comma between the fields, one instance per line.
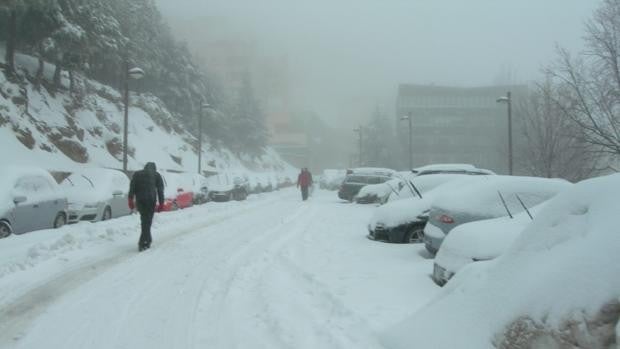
x=133, y=73
x=359, y=130
x=408, y=118
x=508, y=100
x=203, y=106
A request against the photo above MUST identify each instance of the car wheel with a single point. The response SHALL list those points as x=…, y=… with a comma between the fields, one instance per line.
x=414, y=235
x=175, y=206
x=107, y=214
x=60, y=220
x=5, y=229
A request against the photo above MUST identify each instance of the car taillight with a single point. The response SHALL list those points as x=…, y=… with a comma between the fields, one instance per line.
x=445, y=219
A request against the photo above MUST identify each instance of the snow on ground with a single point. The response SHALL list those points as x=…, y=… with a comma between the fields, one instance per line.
x=270, y=272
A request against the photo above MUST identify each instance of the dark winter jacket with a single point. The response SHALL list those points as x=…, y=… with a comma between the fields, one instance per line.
x=147, y=186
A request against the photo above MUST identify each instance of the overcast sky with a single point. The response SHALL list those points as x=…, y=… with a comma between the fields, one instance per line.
x=347, y=56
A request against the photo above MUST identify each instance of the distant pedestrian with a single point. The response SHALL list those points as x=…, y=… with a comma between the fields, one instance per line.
x=304, y=180
x=148, y=188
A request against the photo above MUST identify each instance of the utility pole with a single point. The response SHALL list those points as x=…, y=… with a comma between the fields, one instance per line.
x=408, y=117
x=508, y=100
x=126, y=118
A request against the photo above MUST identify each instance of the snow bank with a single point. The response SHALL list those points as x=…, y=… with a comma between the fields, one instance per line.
x=557, y=284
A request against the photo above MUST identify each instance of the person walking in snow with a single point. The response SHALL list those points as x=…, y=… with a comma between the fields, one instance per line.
x=304, y=180
x=147, y=187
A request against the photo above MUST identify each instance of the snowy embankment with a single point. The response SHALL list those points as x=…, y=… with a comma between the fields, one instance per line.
x=556, y=287
x=59, y=131
x=272, y=272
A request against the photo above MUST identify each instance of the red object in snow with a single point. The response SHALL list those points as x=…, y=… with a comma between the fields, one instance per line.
x=304, y=179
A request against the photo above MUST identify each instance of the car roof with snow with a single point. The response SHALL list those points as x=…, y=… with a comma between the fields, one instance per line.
x=484, y=198
x=370, y=171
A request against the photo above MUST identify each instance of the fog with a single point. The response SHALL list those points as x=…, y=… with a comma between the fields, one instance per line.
x=346, y=57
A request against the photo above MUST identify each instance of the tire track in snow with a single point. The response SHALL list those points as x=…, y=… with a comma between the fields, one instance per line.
x=16, y=316
x=247, y=299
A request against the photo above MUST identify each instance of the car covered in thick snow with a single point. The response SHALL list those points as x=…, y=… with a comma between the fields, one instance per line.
x=226, y=189
x=403, y=220
x=487, y=199
x=556, y=286
x=30, y=199
x=96, y=194
x=358, y=178
x=479, y=241
x=379, y=193
x=177, y=191
x=450, y=168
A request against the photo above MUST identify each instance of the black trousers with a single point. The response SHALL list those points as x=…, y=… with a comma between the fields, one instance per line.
x=146, y=219
x=304, y=192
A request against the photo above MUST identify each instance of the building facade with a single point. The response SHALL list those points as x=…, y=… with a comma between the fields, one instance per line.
x=456, y=124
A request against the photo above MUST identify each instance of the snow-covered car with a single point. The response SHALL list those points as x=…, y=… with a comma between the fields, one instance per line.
x=358, y=178
x=96, y=194
x=450, y=168
x=403, y=221
x=30, y=199
x=221, y=192
x=479, y=241
x=223, y=189
x=556, y=286
x=177, y=191
x=199, y=187
x=379, y=193
x=331, y=179
x=485, y=200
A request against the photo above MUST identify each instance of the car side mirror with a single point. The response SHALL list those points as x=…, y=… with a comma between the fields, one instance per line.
x=19, y=199
x=117, y=193
x=179, y=190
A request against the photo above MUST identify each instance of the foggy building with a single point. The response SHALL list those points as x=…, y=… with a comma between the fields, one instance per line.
x=457, y=124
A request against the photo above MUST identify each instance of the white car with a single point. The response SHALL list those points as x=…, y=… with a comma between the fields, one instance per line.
x=96, y=194
x=30, y=199
x=487, y=199
x=479, y=241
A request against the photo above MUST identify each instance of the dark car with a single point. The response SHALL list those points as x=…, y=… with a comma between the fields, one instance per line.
x=355, y=181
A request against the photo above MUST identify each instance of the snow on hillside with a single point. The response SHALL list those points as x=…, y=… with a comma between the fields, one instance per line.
x=58, y=132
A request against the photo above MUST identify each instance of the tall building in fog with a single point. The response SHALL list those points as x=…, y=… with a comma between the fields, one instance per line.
x=457, y=124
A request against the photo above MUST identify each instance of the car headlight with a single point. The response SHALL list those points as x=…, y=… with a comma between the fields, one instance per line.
x=91, y=205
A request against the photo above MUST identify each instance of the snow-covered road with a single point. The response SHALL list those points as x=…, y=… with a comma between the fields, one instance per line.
x=272, y=272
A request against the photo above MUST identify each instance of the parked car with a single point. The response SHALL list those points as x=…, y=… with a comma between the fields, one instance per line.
x=241, y=188
x=450, y=168
x=225, y=189
x=379, y=193
x=485, y=200
x=96, y=194
x=359, y=178
x=30, y=199
x=331, y=179
x=199, y=187
x=479, y=241
x=177, y=191
x=403, y=221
